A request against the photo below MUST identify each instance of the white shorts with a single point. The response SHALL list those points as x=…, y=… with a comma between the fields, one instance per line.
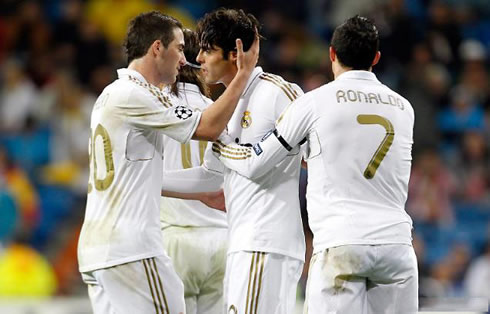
x=363, y=279
x=199, y=257
x=145, y=286
x=261, y=283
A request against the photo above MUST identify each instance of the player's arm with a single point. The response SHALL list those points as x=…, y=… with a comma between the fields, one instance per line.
x=253, y=162
x=216, y=116
x=191, y=180
x=151, y=109
x=206, y=178
x=214, y=199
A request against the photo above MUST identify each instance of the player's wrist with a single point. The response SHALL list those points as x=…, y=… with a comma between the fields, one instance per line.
x=242, y=75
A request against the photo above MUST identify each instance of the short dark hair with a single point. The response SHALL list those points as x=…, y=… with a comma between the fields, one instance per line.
x=220, y=29
x=144, y=29
x=189, y=74
x=356, y=42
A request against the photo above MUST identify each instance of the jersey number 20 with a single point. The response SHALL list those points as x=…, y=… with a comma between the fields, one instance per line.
x=101, y=184
x=385, y=145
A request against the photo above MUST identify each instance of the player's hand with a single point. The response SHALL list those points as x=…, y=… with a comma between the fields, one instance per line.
x=246, y=61
x=214, y=200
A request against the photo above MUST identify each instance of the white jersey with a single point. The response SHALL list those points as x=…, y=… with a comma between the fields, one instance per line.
x=122, y=215
x=188, y=213
x=264, y=215
x=359, y=157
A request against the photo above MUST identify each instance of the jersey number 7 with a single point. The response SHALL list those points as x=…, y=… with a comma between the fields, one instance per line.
x=385, y=145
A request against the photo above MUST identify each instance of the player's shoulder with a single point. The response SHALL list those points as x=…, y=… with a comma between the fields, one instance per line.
x=406, y=105
x=114, y=95
x=276, y=84
x=139, y=92
x=321, y=92
x=120, y=87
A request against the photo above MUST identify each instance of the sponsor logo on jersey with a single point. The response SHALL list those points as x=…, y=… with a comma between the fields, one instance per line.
x=183, y=113
x=246, y=119
x=257, y=149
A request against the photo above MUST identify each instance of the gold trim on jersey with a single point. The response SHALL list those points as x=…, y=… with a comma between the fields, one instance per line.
x=231, y=152
x=282, y=84
x=254, y=286
x=285, y=86
x=236, y=149
x=156, y=287
x=164, y=100
x=217, y=150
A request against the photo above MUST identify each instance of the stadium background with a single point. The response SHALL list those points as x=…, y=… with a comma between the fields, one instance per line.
x=56, y=56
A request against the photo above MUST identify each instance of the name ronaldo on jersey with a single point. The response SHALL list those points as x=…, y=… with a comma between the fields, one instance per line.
x=372, y=98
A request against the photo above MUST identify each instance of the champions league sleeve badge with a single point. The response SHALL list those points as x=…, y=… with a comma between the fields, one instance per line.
x=182, y=112
x=246, y=119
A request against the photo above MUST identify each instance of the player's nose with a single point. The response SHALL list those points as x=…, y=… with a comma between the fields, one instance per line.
x=182, y=60
x=199, y=57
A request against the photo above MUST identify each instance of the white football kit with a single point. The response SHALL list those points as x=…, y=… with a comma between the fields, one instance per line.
x=194, y=235
x=264, y=218
x=121, y=222
x=359, y=135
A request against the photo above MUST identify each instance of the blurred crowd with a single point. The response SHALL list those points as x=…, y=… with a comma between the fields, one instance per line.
x=56, y=57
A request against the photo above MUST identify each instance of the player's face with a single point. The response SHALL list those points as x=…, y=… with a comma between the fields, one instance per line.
x=215, y=69
x=170, y=59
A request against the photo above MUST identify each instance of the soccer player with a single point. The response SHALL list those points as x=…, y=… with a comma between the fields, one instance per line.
x=359, y=141
x=121, y=254
x=266, y=245
x=194, y=235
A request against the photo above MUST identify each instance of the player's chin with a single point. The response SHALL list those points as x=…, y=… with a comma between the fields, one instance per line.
x=205, y=76
x=172, y=80
x=209, y=80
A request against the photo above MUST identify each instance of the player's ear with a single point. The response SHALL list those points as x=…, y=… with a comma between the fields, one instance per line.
x=376, y=58
x=232, y=55
x=333, y=54
x=155, y=47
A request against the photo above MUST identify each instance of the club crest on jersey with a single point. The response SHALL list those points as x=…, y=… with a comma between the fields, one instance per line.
x=182, y=112
x=246, y=119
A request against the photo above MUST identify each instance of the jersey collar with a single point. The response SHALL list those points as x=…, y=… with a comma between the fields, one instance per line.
x=358, y=75
x=126, y=73
x=255, y=74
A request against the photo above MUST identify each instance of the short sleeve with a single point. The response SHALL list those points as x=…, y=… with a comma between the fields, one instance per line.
x=152, y=110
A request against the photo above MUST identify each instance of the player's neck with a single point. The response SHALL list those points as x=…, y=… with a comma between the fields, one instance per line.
x=229, y=76
x=143, y=67
x=340, y=70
